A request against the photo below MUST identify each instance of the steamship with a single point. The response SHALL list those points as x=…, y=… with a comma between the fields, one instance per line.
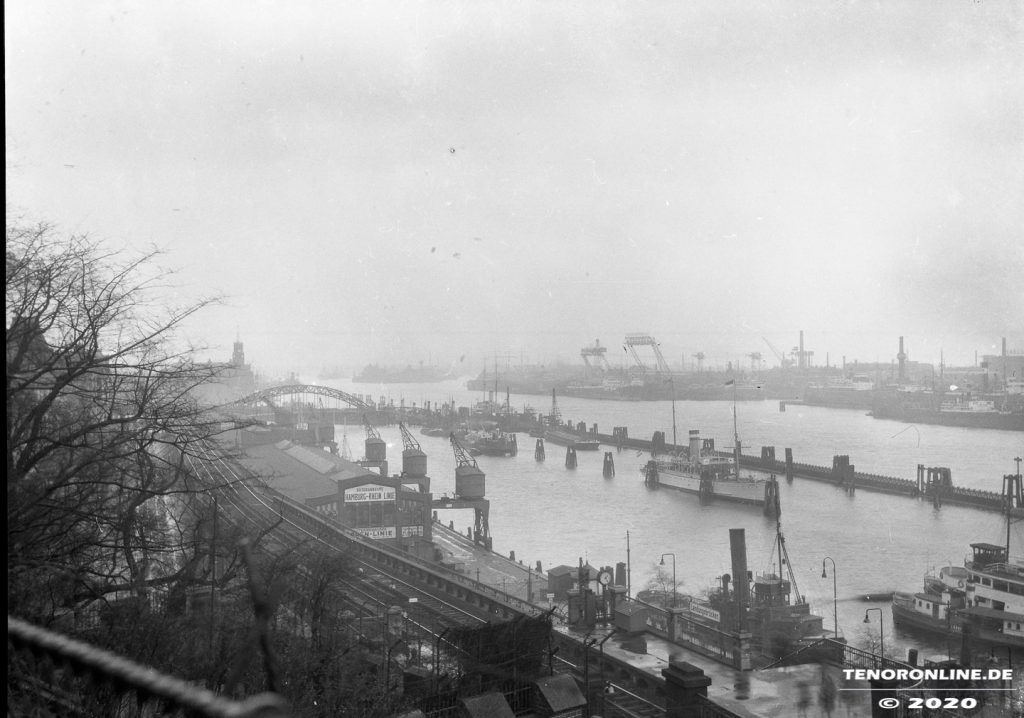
x=710, y=475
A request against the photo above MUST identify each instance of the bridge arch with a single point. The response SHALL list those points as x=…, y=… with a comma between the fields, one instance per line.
x=267, y=396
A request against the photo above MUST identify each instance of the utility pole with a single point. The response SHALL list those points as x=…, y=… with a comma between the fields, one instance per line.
x=629, y=585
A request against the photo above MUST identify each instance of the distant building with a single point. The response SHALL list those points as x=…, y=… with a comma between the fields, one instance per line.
x=1004, y=372
x=235, y=379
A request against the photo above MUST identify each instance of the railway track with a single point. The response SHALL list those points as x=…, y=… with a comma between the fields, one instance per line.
x=372, y=590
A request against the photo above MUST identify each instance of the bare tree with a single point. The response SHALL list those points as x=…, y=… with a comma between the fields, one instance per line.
x=662, y=583
x=100, y=420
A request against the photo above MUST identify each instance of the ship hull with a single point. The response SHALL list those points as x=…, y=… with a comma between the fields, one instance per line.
x=566, y=439
x=906, y=617
x=742, y=492
x=839, y=398
x=967, y=419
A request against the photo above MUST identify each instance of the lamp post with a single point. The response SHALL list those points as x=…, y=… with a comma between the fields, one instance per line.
x=835, y=596
x=881, y=629
x=588, y=642
x=662, y=563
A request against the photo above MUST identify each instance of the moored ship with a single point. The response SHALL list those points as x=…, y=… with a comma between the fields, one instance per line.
x=571, y=439
x=987, y=593
x=701, y=471
x=491, y=442
x=984, y=597
x=964, y=409
x=855, y=392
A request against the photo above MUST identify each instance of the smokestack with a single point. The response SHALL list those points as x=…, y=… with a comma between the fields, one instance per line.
x=1004, y=347
x=902, y=358
x=741, y=586
x=800, y=356
x=694, y=444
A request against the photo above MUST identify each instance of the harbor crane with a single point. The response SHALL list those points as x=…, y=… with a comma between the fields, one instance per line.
x=409, y=442
x=462, y=457
x=598, y=353
x=783, y=361
x=755, y=361
x=699, y=356
x=371, y=432
x=639, y=340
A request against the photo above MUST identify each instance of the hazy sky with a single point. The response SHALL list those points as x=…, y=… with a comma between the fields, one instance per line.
x=404, y=181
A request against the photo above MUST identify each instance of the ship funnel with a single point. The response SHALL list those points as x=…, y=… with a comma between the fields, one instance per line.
x=741, y=582
x=694, y=444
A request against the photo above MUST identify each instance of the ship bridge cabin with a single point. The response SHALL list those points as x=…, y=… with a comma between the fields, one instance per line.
x=996, y=599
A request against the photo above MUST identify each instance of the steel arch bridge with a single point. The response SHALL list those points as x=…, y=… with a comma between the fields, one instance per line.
x=267, y=396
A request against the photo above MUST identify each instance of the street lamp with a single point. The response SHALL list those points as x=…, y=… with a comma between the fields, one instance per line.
x=588, y=643
x=881, y=629
x=662, y=563
x=835, y=596
x=600, y=648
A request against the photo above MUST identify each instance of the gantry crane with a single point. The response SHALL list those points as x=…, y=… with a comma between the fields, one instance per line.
x=599, y=353
x=755, y=361
x=699, y=356
x=639, y=340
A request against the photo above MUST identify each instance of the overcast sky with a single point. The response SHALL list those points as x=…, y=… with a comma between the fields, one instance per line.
x=411, y=181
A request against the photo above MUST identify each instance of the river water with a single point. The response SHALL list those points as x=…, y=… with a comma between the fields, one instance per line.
x=545, y=512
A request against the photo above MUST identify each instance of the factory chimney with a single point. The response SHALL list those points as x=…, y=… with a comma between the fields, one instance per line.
x=902, y=358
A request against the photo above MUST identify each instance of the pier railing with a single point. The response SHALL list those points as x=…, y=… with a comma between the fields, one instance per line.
x=52, y=674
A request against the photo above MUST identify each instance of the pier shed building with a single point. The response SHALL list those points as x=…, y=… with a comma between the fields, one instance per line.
x=393, y=509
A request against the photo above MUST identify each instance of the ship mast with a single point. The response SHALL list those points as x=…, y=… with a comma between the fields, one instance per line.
x=735, y=432
x=780, y=541
x=1013, y=497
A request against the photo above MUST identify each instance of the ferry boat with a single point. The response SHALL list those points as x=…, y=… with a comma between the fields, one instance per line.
x=708, y=474
x=986, y=594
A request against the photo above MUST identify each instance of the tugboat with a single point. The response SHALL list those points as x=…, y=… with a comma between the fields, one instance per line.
x=987, y=593
x=491, y=441
x=780, y=618
x=768, y=605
